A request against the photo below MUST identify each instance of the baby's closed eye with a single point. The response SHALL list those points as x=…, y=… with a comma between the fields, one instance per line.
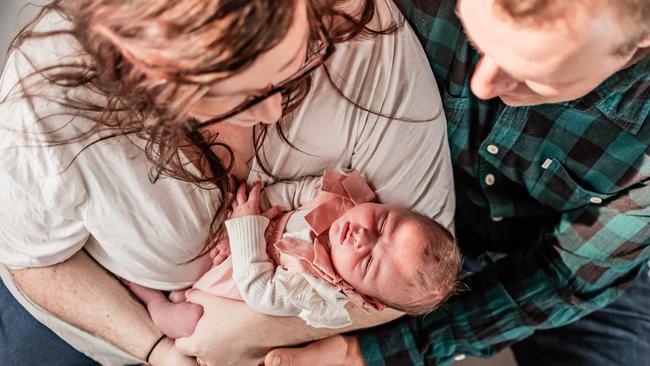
x=380, y=225
x=367, y=264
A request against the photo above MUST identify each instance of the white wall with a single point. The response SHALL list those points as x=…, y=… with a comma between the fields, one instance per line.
x=13, y=14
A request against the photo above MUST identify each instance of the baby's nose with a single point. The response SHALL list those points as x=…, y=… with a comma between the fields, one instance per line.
x=361, y=239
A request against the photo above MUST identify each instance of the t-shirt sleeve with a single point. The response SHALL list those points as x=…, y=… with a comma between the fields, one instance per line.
x=403, y=150
x=42, y=196
x=375, y=109
x=32, y=235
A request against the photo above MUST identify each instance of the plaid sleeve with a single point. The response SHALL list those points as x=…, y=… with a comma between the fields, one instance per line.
x=585, y=263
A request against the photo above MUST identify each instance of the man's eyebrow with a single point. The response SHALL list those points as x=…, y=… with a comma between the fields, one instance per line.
x=471, y=41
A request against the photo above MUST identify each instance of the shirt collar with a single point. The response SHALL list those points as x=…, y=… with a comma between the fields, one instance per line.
x=624, y=98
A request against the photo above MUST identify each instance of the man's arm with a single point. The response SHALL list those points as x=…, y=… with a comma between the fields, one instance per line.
x=82, y=293
x=592, y=255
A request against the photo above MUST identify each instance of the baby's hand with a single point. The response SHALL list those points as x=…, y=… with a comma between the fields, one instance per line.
x=221, y=248
x=247, y=204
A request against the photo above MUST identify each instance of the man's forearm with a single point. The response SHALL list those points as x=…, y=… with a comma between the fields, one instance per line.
x=293, y=331
x=82, y=293
x=507, y=303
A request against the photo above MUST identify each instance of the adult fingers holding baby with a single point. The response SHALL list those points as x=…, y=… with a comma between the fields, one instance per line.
x=244, y=336
x=221, y=340
x=333, y=351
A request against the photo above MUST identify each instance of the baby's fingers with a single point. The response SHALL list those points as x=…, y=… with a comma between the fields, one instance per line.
x=254, y=195
x=272, y=212
x=242, y=197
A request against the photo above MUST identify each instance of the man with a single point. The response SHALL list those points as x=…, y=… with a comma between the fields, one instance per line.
x=552, y=164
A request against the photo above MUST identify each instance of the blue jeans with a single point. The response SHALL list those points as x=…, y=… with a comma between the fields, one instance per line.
x=25, y=341
x=616, y=335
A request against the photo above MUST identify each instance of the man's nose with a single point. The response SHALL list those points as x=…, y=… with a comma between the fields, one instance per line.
x=490, y=81
x=268, y=111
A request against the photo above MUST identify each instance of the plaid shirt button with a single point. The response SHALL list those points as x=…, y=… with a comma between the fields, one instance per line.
x=497, y=218
x=596, y=200
x=459, y=357
x=493, y=149
x=489, y=179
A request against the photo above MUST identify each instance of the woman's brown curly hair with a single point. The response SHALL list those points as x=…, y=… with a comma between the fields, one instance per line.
x=151, y=59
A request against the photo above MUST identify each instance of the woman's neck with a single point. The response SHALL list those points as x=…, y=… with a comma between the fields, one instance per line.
x=238, y=139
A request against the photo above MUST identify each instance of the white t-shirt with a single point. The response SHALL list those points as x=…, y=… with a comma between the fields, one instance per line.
x=146, y=233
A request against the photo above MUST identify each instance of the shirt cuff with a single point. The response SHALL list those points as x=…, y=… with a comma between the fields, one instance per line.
x=410, y=341
x=246, y=235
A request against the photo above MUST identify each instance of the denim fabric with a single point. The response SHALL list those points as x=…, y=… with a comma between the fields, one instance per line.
x=616, y=335
x=25, y=341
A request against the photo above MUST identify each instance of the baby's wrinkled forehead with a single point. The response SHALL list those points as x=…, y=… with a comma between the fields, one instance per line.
x=413, y=225
x=409, y=236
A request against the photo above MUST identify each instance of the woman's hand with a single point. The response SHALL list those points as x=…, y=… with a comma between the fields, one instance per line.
x=229, y=333
x=247, y=204
x=166, y=354
x=333, y=351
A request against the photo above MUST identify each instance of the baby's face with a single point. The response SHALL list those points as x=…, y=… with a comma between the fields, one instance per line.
x=373, y=249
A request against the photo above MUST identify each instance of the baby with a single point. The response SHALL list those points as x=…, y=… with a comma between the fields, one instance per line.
x=338, y=248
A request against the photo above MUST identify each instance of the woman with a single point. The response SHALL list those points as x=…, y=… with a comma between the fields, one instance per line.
x=116, y=99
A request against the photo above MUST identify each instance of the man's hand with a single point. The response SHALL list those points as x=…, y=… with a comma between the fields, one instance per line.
x=247, y=204
x=332, y=351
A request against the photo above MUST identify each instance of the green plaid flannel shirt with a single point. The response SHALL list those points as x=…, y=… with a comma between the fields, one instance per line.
x=587, y=162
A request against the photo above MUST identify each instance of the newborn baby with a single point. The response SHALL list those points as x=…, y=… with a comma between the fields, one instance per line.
x=338, y=248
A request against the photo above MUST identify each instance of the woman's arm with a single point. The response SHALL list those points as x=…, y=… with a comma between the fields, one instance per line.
x=82, y=293
x=214, y=339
